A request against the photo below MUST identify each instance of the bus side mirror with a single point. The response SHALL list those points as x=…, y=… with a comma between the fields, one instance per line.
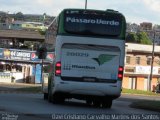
x=41, y=52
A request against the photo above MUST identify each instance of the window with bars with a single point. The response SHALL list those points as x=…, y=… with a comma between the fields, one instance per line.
x=138, y=60
x=128, y=59
x=149, y=61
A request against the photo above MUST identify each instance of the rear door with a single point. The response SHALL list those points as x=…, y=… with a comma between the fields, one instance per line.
x=90, y=63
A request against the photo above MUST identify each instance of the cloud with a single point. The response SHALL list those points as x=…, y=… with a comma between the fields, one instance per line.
x=134, y=10
x=59, y=5
x=44, y=2
x=154, y=5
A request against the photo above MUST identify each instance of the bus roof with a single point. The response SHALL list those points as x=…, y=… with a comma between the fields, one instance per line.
x=94, y=10
x=107, y=17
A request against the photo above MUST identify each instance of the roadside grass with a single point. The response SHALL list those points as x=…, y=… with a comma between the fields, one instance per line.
x=141, y=92
x=144, y=104
x=36, y=89
x=147, y=105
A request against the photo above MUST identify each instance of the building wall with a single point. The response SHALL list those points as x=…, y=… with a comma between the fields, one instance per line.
x=143, y=59
x=140, y=83
x=23, y=25
x=154, y=82
x=125, y=82
x=136, y=75
x=146, y=26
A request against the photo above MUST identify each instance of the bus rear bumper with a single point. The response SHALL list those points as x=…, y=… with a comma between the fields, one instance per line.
x=84, y=89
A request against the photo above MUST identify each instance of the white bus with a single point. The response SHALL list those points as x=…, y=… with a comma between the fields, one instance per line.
x=89, y=56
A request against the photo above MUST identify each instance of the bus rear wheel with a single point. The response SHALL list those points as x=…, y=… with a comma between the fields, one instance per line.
x=45, y=96
x=96, y=103
x=57, y=99
x=50, y=99
x=89, y=102
x=107, y=103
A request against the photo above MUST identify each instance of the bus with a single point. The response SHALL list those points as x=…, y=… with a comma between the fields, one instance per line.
x=89, y=48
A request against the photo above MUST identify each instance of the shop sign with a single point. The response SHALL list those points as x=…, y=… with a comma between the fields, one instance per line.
x=20, y=55
x=34, y=57
x=49, y=57
x=10, y=54
x=146, y=70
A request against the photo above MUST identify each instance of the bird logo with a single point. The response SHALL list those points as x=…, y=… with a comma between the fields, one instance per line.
x=103, y=58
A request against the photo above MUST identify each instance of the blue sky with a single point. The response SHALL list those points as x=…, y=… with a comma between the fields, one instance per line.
x=135, y=11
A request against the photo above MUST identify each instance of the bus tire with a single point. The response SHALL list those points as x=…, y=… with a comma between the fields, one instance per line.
x=58, y=99
x=107, y=104
x=45, y=96
x=96, y=103
x=89, y=102
x=49, y=96
x=49, y=93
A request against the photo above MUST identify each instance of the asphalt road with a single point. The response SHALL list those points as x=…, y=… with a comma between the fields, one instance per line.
x=33, y=107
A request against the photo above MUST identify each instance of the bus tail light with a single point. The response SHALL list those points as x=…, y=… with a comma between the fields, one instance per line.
x=58, y=69
x=120, y=72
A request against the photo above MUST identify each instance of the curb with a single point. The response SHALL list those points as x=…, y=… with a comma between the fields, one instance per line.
x=156, y=95
x=19, y=92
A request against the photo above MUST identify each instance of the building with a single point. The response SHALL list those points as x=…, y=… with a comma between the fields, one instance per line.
x=18, y=60
x=20, y=25
x=19, y=40
x=145, y=26
x=138, y=66
x=21, y=66
x=132, y=28
x=156, y=34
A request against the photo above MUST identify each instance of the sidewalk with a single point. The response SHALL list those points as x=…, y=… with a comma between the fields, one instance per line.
x=18, y=85
x=12, y=87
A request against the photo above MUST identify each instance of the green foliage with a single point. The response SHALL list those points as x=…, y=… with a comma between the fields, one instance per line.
x=30, y=89
x=131, y=37
x=143, y=38
x=19, y=16
x=140, y=37
x=131, y=91
x=42, y=32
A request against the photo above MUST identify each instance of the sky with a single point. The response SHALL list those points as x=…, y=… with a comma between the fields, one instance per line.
x=135, y=11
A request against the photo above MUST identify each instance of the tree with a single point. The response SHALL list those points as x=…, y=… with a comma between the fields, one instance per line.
x=143, y=38
x=140, y=37
x=131, y=37
x=19, y=16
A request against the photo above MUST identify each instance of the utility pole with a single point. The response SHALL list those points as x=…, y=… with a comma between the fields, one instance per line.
x=85, y=4
x=152, y=61
x=42, y=71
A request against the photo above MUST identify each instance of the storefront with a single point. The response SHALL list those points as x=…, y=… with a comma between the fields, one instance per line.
x=138, y=77
x=21, y=66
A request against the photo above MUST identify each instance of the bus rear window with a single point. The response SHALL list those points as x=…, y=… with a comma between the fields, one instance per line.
x=93, y=24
